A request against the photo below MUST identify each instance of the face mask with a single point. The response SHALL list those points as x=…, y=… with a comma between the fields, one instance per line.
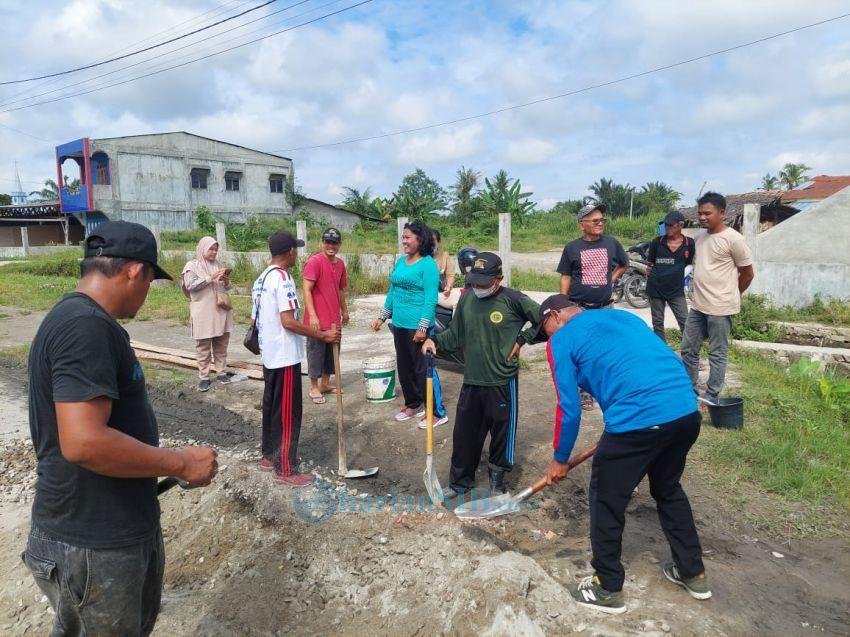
x=483, y=293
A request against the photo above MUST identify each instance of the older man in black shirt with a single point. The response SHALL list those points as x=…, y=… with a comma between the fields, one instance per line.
x=95, y=548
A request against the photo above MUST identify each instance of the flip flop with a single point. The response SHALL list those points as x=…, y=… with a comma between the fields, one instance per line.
x=331, y=390
x=318, y=400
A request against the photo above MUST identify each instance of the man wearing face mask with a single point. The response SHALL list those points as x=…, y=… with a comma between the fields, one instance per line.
x=488, y=326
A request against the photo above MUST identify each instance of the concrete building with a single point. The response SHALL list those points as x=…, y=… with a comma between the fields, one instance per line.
x=332, y=215
x=806, y=256
x=159, y=179
x=772, y=209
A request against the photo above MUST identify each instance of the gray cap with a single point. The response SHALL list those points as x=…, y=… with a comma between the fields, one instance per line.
x=586, y=210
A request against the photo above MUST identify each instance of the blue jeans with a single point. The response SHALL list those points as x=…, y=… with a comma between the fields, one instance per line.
x=716, y=329
x=98, y=591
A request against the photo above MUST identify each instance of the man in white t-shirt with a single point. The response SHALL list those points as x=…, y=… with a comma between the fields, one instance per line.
x=281, y=338
x=723, y=270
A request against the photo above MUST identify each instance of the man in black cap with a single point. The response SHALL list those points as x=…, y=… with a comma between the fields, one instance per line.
x=651, y=422
x=667, y=258
x=95, y=548
x=275, y=313
x=488, y=326
x=590, y=265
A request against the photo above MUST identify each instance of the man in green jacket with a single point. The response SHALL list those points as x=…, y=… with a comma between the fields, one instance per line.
x=488, y=326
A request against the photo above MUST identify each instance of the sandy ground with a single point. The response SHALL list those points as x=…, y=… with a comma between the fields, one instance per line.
x=249, y=557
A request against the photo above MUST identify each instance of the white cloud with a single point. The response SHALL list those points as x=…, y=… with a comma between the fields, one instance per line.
x=452, y=145
x=529, y=151
x=731, y=109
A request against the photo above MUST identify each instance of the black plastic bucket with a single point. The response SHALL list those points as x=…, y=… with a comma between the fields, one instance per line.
x=728, y=413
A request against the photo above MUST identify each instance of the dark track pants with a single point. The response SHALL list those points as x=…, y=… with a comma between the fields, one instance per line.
x=619, y=464
x=412, y=367
x=483, y=410
x=282, y=417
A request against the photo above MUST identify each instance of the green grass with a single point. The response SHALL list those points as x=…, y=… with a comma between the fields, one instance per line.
x=535, y=281
x=792, y=443
x=14, y=356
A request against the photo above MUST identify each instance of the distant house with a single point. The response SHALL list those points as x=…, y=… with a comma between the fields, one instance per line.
x=332, y=215
x=771, y=202
x=818, y=189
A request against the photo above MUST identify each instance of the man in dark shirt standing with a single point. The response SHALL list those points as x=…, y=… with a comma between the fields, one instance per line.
x=95, y=547
x=589, y=267
x=591, y=264
x=665, y=268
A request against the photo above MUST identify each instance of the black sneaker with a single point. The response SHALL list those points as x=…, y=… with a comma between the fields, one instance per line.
x=224, y=378
x=589, y=592
x=696, y=586
x=204, y=385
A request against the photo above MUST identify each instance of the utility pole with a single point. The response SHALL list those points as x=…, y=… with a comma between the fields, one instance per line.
x=632, y=203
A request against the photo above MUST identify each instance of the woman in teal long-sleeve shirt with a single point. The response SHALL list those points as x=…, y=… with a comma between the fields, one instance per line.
x=411, y=300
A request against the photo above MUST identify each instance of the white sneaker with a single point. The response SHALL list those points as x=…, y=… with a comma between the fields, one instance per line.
x=423, y=424
x=420, y=413
x=404, y=414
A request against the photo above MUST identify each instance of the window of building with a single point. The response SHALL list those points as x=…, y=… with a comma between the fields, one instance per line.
x=276, y=183
x=231, y=181
x=199, y=178
x=100, y=163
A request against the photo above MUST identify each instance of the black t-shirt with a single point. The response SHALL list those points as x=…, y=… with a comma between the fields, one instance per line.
x=78, y=354
x=590, y=264
x=666, y=280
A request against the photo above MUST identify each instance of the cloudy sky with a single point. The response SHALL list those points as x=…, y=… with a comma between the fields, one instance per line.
x=394, y=65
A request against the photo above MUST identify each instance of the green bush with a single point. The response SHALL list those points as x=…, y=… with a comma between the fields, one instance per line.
x=65, y=263
x=752, y=323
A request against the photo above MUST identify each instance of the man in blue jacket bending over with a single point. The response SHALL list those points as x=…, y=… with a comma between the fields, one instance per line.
x=651, y=421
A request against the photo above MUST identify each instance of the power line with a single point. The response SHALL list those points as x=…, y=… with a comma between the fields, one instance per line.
x=204, y=57
x=551, y=98
x=41, y=139
x=167, y=53
x=216, y=10
x=148, y=48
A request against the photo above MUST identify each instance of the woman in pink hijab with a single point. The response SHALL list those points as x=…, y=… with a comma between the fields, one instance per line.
x=206, y=282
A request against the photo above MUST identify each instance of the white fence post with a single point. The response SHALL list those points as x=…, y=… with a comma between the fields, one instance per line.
x=402, y=221
x=25, y=239
x=505, y=246
x=221, y=237
x=157, y=238
x=301, y=233
x=752, y=212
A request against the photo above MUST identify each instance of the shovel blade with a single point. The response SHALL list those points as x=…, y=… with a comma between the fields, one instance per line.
x=488, y=507
x=360, y=473
x=432, y=483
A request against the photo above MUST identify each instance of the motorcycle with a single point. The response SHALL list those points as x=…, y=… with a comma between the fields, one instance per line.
x=632, y=285
x=443, y=315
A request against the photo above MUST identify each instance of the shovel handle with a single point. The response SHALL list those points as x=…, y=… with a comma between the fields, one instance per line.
x=340, y=422
x=572, y=464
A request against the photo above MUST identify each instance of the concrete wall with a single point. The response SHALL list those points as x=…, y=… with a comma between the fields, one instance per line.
x=806, y=256
x=150, y=180
x=331, y=215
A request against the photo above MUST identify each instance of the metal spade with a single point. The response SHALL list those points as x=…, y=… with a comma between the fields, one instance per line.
x=432, y=483
x=506, y=503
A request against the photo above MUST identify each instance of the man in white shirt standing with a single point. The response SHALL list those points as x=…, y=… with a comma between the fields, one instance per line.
x=723, y=270
x=281, y=341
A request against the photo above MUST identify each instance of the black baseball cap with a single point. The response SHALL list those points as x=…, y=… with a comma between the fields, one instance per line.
x=283, y=241
x=674, y=218
x=126, y=240
x=485, y=267
x=551, y=304
x=332, y=235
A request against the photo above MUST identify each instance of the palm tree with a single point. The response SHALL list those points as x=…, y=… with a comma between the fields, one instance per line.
x=49, y=192
x=769, y=182
x=656, y=197
x=467, y=181
x=504, y=194
x=793, y=175
x=357, y=201
x=616, y=197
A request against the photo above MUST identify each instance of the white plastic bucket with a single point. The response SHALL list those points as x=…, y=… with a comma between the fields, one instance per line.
x=379, y=376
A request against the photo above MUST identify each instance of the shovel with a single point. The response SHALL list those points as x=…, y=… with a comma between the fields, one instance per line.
x=506, y=503
x=344, y=471
x=432, y=483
